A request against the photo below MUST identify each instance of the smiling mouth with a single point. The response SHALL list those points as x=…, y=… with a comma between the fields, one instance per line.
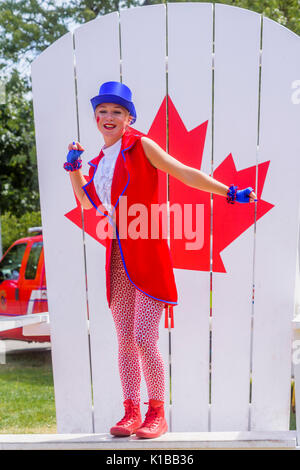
x=109, y=126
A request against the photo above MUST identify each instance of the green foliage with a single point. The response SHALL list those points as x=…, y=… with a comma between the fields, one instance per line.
x=14, y=227
x=85, y=10
x=285, y=12
x=18, y=176
x=29, y=26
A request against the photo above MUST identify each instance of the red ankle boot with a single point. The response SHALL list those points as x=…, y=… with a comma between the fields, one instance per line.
x=131, y=421
x=155, y=424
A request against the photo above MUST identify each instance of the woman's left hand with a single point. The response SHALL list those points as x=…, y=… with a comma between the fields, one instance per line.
x=252, y=197
x=246, y=195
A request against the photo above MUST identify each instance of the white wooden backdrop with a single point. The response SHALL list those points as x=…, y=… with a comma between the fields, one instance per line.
x=212, y=74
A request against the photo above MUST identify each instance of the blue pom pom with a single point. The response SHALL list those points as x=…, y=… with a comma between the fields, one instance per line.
x=231, y=194
x=76, y=165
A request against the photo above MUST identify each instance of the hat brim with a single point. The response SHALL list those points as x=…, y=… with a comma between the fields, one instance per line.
x=99, y=99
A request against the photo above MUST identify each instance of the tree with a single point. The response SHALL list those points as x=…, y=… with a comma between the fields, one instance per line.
x=86, y=10
x=285, y=12
x=27, y=27
x=18, y=176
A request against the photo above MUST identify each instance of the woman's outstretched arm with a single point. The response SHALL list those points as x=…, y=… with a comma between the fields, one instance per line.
x=186, y=174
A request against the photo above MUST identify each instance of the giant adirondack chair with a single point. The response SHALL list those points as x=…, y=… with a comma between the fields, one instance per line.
x=218, y=88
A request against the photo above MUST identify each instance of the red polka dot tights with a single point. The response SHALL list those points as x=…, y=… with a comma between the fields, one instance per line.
x=136, y=318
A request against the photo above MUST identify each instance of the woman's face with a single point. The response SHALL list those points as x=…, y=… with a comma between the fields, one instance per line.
x=112, y=120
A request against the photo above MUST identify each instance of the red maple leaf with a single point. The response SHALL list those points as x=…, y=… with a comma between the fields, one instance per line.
x=229, y=220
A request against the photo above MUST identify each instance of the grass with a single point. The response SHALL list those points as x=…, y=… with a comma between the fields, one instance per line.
x=27, y=394
x=292, y=421
x=293, y=408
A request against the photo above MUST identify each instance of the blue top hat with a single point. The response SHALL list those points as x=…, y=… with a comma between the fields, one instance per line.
x=115, y=92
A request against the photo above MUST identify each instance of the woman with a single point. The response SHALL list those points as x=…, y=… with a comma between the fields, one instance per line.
x=139, y=273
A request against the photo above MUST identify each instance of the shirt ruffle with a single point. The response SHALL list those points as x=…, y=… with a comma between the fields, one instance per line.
x=105, y=172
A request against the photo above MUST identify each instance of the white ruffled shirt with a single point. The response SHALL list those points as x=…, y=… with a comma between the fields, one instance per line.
x=104, y=173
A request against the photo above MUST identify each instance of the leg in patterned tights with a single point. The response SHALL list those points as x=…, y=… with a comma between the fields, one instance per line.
x=137, y=319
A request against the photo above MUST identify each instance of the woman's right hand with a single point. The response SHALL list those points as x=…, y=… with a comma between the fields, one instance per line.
x=75, y=150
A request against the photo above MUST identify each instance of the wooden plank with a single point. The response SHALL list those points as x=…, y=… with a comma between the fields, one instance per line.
x=143, y=60
x=277, y=234
x=296, y=322
x=97, y=51
x=236, y=87
x=37, y=329
x=143, y=52
x=55, y=118
x=9, y=323
x=190, y=95
x=169, y=441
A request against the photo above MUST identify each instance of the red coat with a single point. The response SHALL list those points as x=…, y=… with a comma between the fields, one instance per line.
x=147, y=261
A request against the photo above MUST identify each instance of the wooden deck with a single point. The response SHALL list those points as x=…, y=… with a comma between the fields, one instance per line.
x=169, y=441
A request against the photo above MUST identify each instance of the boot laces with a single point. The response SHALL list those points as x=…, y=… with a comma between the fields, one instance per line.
x=151, y=418
x=130, y=414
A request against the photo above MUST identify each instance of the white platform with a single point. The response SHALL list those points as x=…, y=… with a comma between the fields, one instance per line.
x=169, y=441
x=17, y=321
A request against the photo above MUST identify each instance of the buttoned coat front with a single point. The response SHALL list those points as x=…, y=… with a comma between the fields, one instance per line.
x=146, y=258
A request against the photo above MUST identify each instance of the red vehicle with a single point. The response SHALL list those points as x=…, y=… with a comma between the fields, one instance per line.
x=23, y=285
